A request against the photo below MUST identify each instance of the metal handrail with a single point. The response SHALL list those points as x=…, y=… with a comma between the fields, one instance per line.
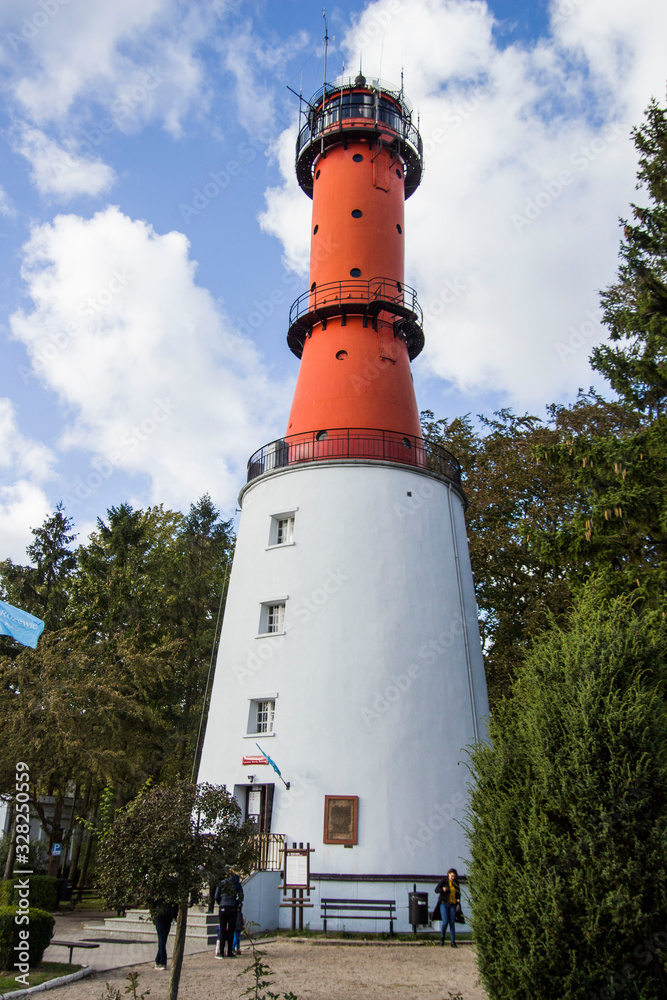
x=333, y=444
x=393, y=295
x=269, y=848
x=329, y=118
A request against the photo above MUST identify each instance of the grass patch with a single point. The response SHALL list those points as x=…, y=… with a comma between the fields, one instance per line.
x=40, y=974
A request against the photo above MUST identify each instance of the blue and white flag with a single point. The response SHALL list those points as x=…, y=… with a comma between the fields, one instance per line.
x=23, y=627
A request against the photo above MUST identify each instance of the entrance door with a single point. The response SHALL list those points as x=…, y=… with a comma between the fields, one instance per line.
x=259, y=806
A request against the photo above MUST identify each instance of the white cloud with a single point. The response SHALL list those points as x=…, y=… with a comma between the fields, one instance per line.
x=21, y=455
x=154, y=375
x=26, y=465
x=63, y=52
x=528, y=166
x=22, y=506
x=60, y=171
x=6, y=207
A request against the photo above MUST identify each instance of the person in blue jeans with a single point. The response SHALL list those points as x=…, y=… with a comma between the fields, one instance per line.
x=449, y=894
x=163, y=916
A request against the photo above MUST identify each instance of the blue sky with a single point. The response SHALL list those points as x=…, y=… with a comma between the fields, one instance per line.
x=152, y=235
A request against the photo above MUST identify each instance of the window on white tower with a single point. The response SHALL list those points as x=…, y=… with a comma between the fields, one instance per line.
x=282, y=529
x=265, y=712
x=285, y=531
x=275, y=617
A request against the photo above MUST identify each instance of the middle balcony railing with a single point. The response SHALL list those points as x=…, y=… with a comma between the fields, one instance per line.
x=361, y=298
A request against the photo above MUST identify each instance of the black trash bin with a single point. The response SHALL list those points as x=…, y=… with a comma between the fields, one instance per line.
x=418, y=909
x=64, y=890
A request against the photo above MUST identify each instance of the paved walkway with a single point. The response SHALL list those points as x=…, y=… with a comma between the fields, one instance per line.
x=111, y=954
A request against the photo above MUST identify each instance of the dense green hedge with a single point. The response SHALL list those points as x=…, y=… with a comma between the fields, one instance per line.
x=43, y=892
x=568, y=822
x=39, y=926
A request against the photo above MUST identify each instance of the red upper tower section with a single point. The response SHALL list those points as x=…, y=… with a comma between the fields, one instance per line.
x=358, y=325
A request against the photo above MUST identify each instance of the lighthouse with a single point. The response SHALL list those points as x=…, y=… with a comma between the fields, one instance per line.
x=349, y=677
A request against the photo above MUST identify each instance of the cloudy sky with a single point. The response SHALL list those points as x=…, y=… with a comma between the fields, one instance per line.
x=152, y=234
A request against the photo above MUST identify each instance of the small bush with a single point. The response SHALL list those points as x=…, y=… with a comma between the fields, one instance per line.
x=40, y=926
x=43, y=892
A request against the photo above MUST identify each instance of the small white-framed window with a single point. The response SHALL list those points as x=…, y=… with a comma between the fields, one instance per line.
x=282, y=529
x=275, y=617
x=261, y=714
x=272, y=617
x=285, y=530
x=265, y=713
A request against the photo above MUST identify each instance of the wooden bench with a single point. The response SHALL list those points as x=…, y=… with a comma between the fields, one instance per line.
x=72, y=945
x=359, y=909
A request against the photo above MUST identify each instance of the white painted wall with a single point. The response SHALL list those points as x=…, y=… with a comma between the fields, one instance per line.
x=375, y=692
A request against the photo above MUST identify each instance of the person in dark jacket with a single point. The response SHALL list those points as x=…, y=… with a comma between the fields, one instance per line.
x=449, y=894
x=229, y=897
x=163, y=916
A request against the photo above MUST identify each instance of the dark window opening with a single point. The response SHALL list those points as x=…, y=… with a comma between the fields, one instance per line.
x=313, y=286
x=341, y=355
x=399, y=229
x=357, y=157
x=321, y=436
x=356, y=213
x=355, y=272
x=315, y=229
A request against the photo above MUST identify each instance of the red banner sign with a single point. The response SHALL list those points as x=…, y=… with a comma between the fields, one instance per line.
x=253, y=761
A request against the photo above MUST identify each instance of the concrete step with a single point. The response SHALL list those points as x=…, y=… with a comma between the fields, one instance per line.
x=137, y=925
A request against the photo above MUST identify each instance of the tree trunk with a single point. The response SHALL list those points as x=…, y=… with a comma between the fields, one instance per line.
x=179, y=948
x=11, y=854
x=89, y=844
x=78, y=833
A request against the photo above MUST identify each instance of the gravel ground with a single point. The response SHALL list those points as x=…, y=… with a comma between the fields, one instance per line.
x=312, y=972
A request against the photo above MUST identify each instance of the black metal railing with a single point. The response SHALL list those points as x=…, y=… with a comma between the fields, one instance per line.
x=339, y=110
x=353, y=443
x=269, y=850
x=374, y=296
x=355, y=297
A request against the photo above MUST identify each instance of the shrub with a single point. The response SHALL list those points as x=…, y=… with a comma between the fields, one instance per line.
x=43, y=892
x=40, y=926
x=568, y=817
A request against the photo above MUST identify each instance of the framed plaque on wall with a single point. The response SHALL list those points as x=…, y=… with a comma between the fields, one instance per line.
x=341, y=815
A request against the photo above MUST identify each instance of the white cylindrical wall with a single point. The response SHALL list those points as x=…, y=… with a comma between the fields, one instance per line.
x=378, y=680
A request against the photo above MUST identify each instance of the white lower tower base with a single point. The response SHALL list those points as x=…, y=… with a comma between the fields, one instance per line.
x=376, y=672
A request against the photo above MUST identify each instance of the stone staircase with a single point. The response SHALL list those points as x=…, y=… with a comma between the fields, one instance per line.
x=137, y=925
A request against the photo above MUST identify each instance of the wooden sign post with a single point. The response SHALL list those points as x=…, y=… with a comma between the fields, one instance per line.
x=296, y=877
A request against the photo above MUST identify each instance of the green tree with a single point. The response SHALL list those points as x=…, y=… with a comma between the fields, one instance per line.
x=517, y=503
x=166, y=844
x=619, y=531
x=568, y=815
